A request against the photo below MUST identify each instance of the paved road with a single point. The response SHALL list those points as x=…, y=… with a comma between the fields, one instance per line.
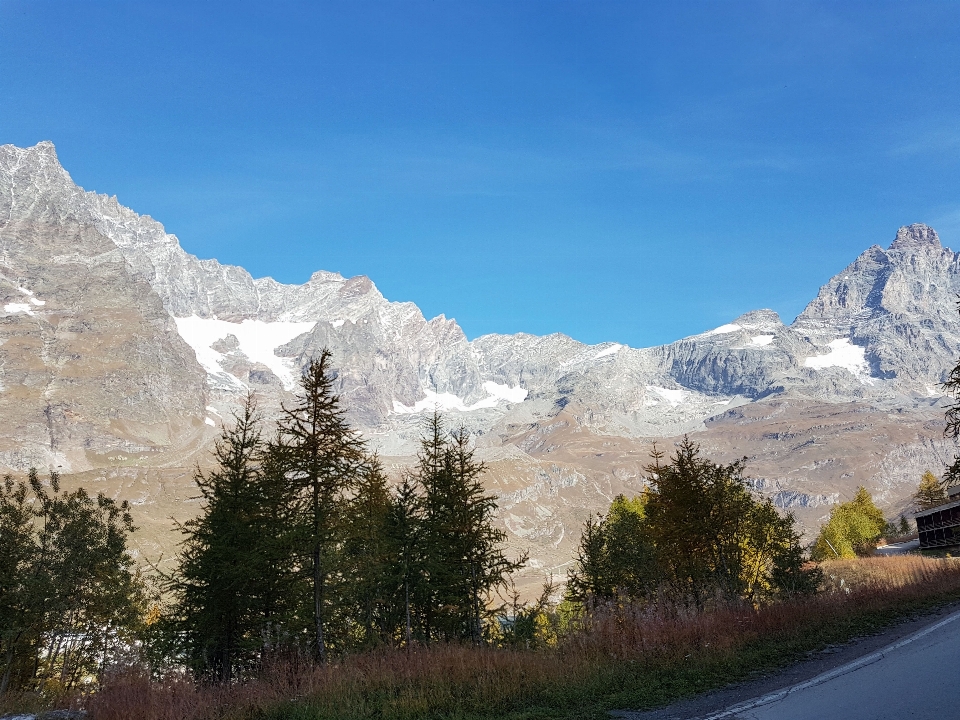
x=917, y=677
x=899, y=548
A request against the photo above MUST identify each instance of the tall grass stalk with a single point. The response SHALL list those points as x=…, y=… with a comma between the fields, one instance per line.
x=634, y=655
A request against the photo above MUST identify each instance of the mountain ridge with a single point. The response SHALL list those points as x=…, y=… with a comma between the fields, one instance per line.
x=121, y=353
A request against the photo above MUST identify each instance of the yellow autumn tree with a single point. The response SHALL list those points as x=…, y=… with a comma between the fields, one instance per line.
x=930, y=492
x=853, y=529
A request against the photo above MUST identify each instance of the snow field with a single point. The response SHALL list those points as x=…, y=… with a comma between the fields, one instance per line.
x=843, y=354
x=449, y=401
x=257, y=340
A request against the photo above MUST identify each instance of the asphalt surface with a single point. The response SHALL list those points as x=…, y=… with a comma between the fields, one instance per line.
x=916, y=678
x=909, y=672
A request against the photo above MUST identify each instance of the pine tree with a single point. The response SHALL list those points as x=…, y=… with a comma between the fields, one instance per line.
x=20, y=607
x=951, y=477
x=371, y=558
x=930, y=492
x=696, y=530
x=463, y=556
x=279, y=561
x=322, y=456
x=698, y=515
x=616, y=557
x=405, y=533
x=590, y=577
x=217, y=583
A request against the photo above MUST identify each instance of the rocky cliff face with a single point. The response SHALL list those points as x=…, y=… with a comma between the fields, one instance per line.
x=119, y=349
x=91, y=364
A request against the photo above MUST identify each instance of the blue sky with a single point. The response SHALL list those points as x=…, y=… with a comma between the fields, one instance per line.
x=628, y=171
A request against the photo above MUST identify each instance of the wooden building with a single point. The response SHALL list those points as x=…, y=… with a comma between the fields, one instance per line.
x=939, y=527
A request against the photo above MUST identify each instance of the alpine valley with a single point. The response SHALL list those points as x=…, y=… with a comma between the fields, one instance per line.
x=121, y=355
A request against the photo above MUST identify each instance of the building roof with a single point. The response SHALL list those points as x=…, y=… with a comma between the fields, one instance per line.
x=938, y=508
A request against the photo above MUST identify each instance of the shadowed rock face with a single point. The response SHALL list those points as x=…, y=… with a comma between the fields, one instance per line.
x=120, y=354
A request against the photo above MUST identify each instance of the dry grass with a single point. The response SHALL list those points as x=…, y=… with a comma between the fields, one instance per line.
x=635, y=656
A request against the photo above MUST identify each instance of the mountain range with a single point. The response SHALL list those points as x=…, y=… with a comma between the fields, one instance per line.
x=121, y=354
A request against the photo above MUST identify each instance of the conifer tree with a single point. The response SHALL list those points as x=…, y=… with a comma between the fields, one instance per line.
x=371, y=557
x=695, y=530
x=279, y=561
x=951, y=475
x=322, y=456
x=616, y=557
x=20, y=606
x=904, y=526
x=698, y=515
x=405, y=533
x=217, y=584
x=853, y=529
x=463, y=556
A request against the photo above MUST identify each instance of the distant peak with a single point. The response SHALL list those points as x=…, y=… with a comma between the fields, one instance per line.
x=761, y=319
x=916, y=236
x=43, y=149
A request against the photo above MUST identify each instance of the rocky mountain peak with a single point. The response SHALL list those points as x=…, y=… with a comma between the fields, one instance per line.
x=914, y=236
x=759, y=320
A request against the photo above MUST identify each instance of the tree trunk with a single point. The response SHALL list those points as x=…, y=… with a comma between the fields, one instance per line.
x=406, y=602
x=5, y=681
x=321, y=648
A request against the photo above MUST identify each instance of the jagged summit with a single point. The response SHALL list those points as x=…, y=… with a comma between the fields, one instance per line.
x=759, y=320
x=914, y=236
x=44, y=147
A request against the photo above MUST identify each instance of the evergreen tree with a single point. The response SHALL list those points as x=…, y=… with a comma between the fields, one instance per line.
x=463, y=556
x=322, y=456
x=217, y=583
x=951, y=477
x=699, y=516
x=279, y=560
x=371, y=558
x=590, y=577
x=697, y=529
x=405, y=533
x=930, y=492
x=616, y=557
x=21, y=607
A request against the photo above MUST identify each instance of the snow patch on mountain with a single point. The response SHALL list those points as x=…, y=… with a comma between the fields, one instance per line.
x=505, y=392
x=674, y=397
x=762, y=339
x=33, y=300
x=444, y=402
x=18, y=308
x=257, y=340
x=843, y=354
x=612, y=350
x=724, y=329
